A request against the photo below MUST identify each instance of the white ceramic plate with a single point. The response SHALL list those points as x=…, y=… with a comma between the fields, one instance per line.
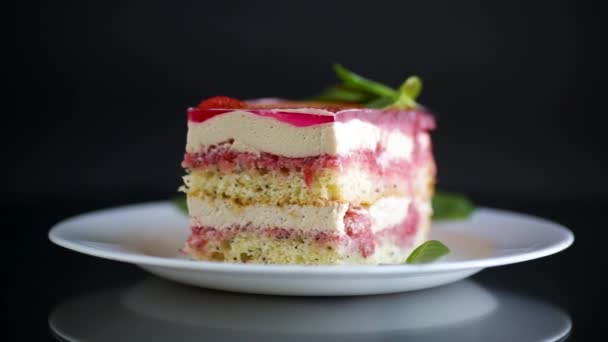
x=151, y=234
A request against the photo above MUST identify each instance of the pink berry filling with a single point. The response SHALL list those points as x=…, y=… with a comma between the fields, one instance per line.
x=224, y=158
x=358, y=229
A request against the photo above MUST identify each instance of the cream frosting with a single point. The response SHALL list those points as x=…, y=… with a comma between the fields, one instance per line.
x=388, y=212
x=254, y=133
x=220, y=214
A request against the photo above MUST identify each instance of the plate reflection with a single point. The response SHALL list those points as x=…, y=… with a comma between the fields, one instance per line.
x=158, y=310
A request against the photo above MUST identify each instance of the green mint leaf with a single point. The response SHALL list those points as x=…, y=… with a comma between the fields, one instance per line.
x=381, y=102
x=408, y=91
x=361, y=83
x=447, y=205
x=358, y=89
x=402, y=102
x=412, y=87
x=180, y=203
x=427, y=252
x=341, y=93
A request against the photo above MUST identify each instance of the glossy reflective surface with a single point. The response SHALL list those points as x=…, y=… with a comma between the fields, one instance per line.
x=155, y=309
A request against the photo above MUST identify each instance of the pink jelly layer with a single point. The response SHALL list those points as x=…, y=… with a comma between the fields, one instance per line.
x=227, y=160
x=358, y=230
x=411, y=121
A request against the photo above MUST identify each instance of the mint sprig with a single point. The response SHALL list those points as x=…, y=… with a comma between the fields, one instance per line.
x=407, y=93
x=451, y=206
x=358, y=82
x=429, y=251
x=358, y=89
x=180, y=202
x=342, y=93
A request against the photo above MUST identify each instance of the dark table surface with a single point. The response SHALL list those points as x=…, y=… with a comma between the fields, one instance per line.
x=44, y=277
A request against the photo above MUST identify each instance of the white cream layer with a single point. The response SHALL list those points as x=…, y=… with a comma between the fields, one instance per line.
x=388, y=212
x=221, y=214
x=254, y=133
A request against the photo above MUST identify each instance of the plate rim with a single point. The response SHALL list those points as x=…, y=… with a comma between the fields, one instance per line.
x=55, y=236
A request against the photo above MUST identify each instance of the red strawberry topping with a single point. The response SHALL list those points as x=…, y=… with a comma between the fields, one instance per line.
x=221, y=102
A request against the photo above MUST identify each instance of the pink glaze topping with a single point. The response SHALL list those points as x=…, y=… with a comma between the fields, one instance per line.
x=295, y=119
x=408, y=120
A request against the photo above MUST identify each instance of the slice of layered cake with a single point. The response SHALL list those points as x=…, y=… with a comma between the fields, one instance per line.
x=307, y=183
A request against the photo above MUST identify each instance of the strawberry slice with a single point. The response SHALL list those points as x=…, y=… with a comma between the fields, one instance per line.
x=221, y=102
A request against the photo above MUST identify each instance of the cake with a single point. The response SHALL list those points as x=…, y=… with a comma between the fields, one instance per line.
x=283, y=182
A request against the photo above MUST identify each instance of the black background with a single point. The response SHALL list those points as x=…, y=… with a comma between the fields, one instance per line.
x=98, y=92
